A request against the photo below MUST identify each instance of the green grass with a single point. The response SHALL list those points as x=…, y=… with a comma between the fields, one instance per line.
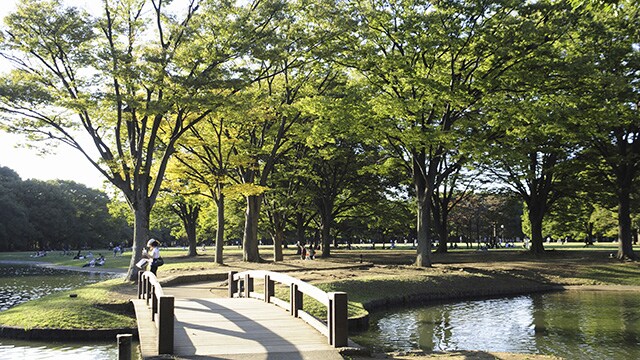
x=615, y=273
x=97, y=306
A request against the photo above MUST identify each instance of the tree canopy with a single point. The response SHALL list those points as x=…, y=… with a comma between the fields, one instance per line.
x=331, y=120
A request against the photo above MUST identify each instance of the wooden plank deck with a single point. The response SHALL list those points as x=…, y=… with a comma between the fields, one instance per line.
x=239, y=328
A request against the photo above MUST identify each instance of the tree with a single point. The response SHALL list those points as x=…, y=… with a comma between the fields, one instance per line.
x=270, y=126
x=188, y=213
x=121, y=88
x=205, y=158
x=479, y=217
x=451, y=187
x=90, y=221
x=178, y=210
x=14, y=216
x=570, y=217
x=531, y=155
x=606, y=48
x=431, y=64
x=339, y=166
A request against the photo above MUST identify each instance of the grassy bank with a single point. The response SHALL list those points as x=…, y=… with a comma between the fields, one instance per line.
x=102, y=305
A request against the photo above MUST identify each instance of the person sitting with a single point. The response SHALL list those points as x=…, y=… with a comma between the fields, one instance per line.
x=153, y=255
x=91, y=263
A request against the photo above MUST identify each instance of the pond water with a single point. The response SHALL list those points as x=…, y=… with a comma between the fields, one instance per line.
x=20, y=283
x=570, y=324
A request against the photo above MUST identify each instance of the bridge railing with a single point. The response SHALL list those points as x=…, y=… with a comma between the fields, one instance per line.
x=335, y=327
x=162, y=309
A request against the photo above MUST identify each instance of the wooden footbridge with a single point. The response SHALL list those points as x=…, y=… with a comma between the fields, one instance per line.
x=249, y=324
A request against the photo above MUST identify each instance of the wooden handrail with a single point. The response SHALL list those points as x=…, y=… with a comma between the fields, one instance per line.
x=162, y=309
x=335, y=328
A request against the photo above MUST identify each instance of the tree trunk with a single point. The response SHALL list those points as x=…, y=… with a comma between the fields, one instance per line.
x=250, y=252
x=423, y=180
x=326, y=239
x=278, y=236
x=625, y=238
x=326, y=217
x=188, y=214
x=190, y=228
x=440, y=222
x=535, y=219
x=220, y=228
x=423, y=258
x=300, y=227
x=140, y=238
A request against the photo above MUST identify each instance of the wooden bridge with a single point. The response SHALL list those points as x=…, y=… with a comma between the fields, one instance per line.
x=271, y=324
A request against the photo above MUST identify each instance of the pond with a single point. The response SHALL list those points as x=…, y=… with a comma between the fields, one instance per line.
x=20, y=283
x=570, y=324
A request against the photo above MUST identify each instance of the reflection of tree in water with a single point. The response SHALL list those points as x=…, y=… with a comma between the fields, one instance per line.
x=572, y=325
x=430, y=333
x=588, y=324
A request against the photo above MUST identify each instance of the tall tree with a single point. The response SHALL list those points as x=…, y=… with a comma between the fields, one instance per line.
x=606, y=47
x=431, y=64
x=205, y=157
x=14, y=216
x=271, y=117
x=121, y=88
x=452, y=185
x=533, y=155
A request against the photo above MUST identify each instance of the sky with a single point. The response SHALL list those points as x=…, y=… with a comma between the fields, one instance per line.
x=65, y=163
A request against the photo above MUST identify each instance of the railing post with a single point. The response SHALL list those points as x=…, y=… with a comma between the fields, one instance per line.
x=269, y=288
x=148, y=288
x=154, y=303
x=233, y=284
x=144, y=286
x=124, y=346
x=337, y=322
x=295, y=300
x=248, y=285
x=140, y=284
x=165, y=324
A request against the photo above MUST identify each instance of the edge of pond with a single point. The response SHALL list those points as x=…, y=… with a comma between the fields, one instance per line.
x=16, y=333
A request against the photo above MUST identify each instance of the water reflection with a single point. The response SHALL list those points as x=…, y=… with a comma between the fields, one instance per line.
x=13, y=349
x=576, y=325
